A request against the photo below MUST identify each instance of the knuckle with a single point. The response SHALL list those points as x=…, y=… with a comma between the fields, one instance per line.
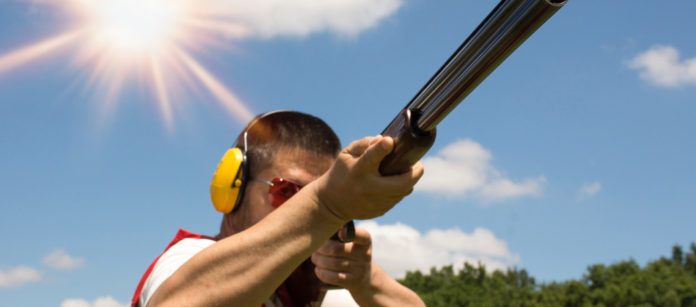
x=324, y=249
x=332, y=248
x=409, y=190
x=335, y=263
x=320, y=273
x=366, y=257
x=339, y=249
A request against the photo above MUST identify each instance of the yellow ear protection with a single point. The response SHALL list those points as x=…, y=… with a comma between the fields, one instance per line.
x=230, y=178
x=229, y=181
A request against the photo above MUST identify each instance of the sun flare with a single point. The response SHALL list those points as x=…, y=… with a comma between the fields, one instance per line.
x=147, y=41
x=136, y=25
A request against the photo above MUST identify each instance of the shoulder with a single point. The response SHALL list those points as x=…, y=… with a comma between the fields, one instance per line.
x=184, y=246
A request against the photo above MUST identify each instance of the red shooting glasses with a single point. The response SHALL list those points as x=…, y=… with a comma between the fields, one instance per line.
x=280, y=190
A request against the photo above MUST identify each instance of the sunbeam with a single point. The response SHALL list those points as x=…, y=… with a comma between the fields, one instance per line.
x=226, y=97
x=23, y=55
x=162, y=96
x=146, y=41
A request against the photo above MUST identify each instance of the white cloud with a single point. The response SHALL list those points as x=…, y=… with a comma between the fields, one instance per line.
x=399, y=248
x=662, y=66
x=269, y=18
x=19, y=276
x=104, y=301
x=463, y=169
x=61, y=260
x=272, y=18
x=339, y=298
x=589, y=190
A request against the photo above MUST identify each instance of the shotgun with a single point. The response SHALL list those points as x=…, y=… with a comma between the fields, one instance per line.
x=505, y=28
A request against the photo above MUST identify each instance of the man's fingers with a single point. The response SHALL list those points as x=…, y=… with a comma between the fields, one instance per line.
x=346, y=250
x=414, y=174
x=336, y=248
x=338, y=264
x=362, y=237
x=401, y=184
x=340, y=279
x=341, y=272
x=379, y=148
x=357, y=148
x=344, y=264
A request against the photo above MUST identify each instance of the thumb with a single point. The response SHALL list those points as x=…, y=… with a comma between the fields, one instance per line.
x=379, y=148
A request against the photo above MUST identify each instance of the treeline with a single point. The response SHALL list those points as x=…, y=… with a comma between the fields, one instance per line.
x=664, y=282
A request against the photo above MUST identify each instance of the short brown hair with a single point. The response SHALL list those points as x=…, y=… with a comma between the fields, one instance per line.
x=269, y=132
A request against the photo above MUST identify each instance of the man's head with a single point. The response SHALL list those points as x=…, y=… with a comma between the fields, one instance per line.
x=282, y=144
x=271, y=132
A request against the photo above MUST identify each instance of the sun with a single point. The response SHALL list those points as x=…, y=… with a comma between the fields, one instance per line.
x=143, y=41
x=136, y=26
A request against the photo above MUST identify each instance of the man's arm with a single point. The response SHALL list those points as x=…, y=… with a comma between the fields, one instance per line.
x=246, y=268
x=350, y=265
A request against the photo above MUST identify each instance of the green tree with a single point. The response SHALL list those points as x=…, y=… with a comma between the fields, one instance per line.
x=663, y=282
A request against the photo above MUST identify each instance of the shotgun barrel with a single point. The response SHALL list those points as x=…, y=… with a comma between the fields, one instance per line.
x=505, y=28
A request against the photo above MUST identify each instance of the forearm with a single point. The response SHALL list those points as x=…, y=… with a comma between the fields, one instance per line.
x=246, y=268
x=382, y=290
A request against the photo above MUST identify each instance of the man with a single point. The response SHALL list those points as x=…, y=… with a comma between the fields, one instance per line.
x=297, y=191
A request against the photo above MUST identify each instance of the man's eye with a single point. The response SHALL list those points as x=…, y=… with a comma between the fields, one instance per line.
x=286, y=191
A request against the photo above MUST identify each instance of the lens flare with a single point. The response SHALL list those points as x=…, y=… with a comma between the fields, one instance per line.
x=148, y=41
x=136, y=25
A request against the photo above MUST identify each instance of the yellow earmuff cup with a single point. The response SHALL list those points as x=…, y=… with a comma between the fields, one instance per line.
x=227, y=180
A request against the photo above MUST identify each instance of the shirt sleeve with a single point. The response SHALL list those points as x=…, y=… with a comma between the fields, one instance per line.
x=169, y=262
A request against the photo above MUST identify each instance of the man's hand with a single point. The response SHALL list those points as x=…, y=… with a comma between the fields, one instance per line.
x=354, y=189
x=350, y=265
x=346, y=265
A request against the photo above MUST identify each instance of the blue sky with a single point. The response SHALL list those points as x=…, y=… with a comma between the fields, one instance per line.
x=577, y=150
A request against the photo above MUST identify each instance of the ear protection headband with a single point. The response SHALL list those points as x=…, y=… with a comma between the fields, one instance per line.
x=229, y=180
x=231, y=176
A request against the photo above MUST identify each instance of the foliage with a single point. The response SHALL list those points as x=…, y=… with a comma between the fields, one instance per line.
x=664, y=282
